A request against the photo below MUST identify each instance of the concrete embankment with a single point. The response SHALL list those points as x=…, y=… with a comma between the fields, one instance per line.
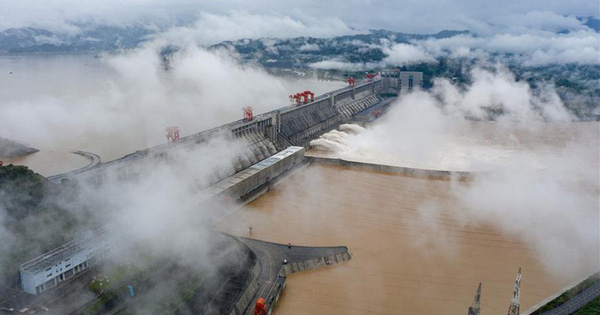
x=315, y=263
x=247, y=295
x=574, y=303
x=94, y=161
x=225, y=195
x=408, y=171
x=279, y=260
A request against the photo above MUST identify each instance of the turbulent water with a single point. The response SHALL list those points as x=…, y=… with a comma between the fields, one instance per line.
x=405, y=258
x=471, y=146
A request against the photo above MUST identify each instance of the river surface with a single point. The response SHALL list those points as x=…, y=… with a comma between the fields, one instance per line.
x=62, y=103
x=406, y=259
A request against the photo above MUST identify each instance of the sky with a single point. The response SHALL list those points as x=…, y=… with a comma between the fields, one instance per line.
x=306, y=17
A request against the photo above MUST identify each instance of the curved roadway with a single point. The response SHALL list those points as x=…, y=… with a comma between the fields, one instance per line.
x=94, y=161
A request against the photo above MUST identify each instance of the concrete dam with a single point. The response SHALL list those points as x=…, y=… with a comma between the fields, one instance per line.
x=291, y=211
x=253, y=141
x=265, y=149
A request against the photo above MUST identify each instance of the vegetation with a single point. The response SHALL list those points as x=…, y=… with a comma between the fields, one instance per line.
x=33, y=218
x=592, y=308
x=567, y=295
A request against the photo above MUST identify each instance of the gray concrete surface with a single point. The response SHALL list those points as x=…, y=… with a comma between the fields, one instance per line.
x=577, y=302
x=271, y=257
x=94, y=161
x=417, y=172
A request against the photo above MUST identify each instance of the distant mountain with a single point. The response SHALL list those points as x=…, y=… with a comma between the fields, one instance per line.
x=301, y=51
x=96, y=38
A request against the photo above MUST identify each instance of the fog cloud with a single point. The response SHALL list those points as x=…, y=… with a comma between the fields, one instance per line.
x=126, y=104
x=540, y=169
x=423, y=17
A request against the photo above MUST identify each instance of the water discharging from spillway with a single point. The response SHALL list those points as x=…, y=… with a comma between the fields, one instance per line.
x=470, y=146
x=421, y=246
x=401, y=263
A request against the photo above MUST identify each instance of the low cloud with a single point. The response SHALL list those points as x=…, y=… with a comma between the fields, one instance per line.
x=540, y=167
x=211, y=29
x=129, y=106
x=528, y=49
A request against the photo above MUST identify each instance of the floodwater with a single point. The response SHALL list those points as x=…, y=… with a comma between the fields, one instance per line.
x=48, y=163
x=406, y=259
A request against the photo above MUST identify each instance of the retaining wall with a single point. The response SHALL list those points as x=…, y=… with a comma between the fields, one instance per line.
x=315, y=263
x=416, y=172
x=223, y=195
x=246, y=297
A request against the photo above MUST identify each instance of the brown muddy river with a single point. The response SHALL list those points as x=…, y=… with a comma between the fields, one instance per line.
x=48, y=163
x=406, y=259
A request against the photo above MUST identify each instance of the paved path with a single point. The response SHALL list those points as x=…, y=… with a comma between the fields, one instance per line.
x=577, y=302
x=94, y=161
x=271, y=256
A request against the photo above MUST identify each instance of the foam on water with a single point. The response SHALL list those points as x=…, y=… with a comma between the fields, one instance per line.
x=351, y=128
x=336, y=141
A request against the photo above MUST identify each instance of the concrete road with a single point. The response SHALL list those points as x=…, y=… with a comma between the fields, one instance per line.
x=94, y=161
x=271, y=257
x=578, y=301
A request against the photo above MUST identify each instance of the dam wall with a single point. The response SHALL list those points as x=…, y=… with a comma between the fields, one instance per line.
x=315, y=263
x=252, y=141
x=305, y=122
x=225, y=194
x=301, y=124
x=246, y=297
x=408, y=171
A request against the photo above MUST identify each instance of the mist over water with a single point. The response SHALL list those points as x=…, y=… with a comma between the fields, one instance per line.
x=539, y=170
x=113, y=105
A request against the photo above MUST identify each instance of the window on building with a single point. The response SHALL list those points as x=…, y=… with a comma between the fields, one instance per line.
x=410, y=83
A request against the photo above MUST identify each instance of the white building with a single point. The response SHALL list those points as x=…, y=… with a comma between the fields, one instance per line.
x=410, y=81
x=60, y=264
x=401, y=82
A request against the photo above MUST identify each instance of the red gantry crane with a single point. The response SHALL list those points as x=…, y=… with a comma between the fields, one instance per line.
x=172, y=133
x=302, y=97
x=351, y=81
x=248, y=116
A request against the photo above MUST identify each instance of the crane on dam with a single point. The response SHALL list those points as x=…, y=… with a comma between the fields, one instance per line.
x=475, y=307
x=172, y=133
x=302, y=97
x=351, y=81
x=513, y=309
x=248, y=115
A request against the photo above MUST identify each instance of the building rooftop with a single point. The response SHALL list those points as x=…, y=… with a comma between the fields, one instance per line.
x=60, y=253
